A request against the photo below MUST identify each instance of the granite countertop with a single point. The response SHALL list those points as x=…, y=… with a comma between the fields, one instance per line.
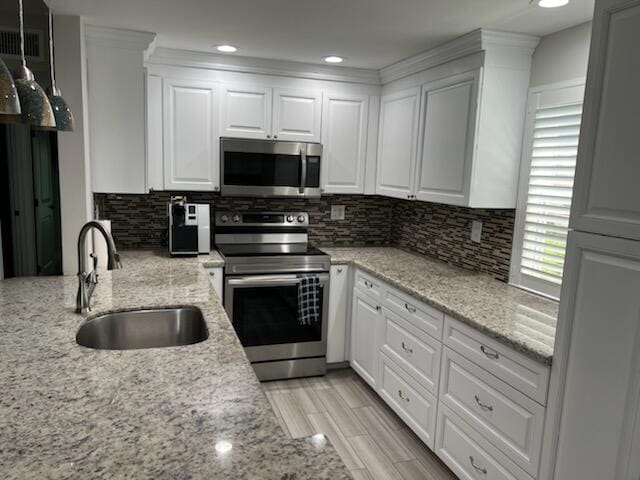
x=522, y=320
x=72, y=412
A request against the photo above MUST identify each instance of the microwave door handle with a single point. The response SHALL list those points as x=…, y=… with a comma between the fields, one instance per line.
x=303, y=168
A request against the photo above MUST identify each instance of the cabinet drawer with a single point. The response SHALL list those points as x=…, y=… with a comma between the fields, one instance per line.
x=509, y=419
x=459, y=446
x=415, y=405
x=423, y=316
x=415, y=351
x=368, y=284
x=522, y=373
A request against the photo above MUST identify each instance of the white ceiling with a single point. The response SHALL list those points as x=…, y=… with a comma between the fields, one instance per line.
x=369, y=33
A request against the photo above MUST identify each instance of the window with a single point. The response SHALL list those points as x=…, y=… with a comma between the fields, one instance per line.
x=546, y=185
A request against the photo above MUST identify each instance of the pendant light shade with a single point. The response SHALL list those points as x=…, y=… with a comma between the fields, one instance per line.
x=34, y=104
x=62, y=112
x=9, y=103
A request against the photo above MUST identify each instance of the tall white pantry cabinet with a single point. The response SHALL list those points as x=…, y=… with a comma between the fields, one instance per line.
x=596, y=371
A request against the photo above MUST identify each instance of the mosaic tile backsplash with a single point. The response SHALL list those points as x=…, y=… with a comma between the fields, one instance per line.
x=441, y=231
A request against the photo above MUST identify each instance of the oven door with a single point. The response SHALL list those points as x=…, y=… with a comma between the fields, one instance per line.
x=264, y=313
x=269, y=169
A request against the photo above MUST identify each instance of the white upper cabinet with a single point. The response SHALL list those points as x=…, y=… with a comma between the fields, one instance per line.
x=245, y=111
x=448, y=125
x=297, y=114
x=344, y=140
x=191, y=151
x=606, y=197
x=467, y=146
x=397, y=143
x=116, y=108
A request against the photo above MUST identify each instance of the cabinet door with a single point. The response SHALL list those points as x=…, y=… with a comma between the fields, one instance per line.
x=599, y=309
x=296, y=115
x=365, y=326
x=344, y=138
x=606, y=197
x=338, y=312
x=446, y=152
x=155, y=176
x=191, y=153
x=397, y=143
x=245, y=111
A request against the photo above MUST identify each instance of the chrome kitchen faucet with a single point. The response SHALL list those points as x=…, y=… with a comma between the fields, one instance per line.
x=87, y=281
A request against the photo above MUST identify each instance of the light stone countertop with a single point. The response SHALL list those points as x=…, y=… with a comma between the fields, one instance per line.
x=521, y=320
x=69, y=412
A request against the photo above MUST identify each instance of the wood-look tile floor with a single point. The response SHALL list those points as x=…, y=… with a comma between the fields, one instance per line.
x=370, y=438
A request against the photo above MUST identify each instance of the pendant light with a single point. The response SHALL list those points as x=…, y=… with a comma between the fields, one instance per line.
x=62, y=112
x=9, y=103
x=34, y=104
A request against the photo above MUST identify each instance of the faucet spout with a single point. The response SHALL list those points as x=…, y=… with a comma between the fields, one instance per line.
x=87, y=280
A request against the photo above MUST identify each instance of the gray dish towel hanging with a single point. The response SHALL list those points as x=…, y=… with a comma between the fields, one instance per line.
x=308, y=299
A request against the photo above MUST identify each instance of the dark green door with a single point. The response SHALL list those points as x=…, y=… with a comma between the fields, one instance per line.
x=46, y=203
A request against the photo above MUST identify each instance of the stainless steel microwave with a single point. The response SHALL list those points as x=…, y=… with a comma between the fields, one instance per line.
x=269, y=168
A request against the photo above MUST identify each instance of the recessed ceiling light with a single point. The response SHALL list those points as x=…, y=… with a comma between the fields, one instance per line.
x=226, y=48
x=552, y=3
x=333, y=59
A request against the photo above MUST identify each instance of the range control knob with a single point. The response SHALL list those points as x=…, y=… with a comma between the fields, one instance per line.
x=224, y=218
x=289, y=218
x=300, y=218
x=236, y=218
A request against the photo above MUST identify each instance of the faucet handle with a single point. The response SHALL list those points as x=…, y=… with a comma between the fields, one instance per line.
x=94, y=258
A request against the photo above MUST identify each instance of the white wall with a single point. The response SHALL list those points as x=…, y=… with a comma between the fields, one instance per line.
x=73, y=147
x=561, y=56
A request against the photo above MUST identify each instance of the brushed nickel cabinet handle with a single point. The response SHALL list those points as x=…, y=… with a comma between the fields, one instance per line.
x=368, y=284
x=410, y=308
x=489, y=353
x=378, y=308
x=403, y=396
x=407, y=349
x=477, y=467
x=484, y=406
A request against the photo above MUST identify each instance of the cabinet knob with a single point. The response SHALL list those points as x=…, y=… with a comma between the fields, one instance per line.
x=213, y=274
x=378, y=308
x=339, y=270
x=216, y=189
x=275, y=136
x=268, y=136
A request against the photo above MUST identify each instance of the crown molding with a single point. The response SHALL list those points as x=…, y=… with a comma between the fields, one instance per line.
x=205, y=60
x=473, y=42
x=120, y=38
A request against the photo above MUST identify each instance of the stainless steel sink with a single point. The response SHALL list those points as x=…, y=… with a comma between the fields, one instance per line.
x=162, y=327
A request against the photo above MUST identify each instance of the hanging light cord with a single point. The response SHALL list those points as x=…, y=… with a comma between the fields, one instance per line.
x=53, y=73
x=24, y=61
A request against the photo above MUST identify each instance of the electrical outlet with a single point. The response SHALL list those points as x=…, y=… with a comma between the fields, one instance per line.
x=337, y=212
x=476, y=231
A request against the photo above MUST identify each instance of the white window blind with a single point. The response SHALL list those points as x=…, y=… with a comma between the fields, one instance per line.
x=549, y=160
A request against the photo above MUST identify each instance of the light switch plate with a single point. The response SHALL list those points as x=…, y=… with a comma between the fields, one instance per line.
x=476, y=231
x=337, y=212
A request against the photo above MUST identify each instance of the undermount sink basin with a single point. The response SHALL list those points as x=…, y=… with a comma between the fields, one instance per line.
x=153, y=328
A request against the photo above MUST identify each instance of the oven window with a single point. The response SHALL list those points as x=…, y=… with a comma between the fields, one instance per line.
x=268, y=169
x=269, y=316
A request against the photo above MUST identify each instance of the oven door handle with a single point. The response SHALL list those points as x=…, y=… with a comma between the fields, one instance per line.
x=303, y=169
x=266, y=280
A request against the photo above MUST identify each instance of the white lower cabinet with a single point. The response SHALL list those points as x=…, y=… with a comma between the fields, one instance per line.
x=215, y=280
x=338, y=314
x=414, y=350
x=477, y=403
x=412, y=402
x=508, y=418
x=366, y=318
x=468, y=454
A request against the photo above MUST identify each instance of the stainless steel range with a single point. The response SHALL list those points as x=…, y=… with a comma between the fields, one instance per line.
x=276, y=291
